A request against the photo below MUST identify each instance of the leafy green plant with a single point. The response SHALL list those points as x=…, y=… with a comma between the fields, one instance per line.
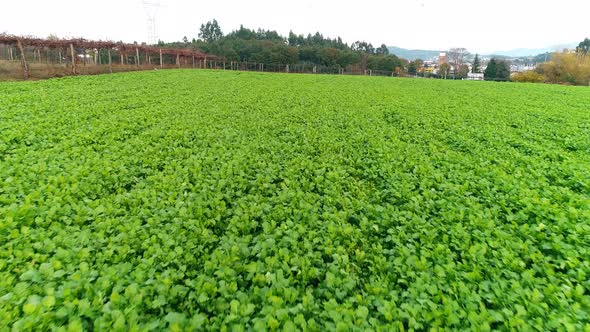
x=209, y=200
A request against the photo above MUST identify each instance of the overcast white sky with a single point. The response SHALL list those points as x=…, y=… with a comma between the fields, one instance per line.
x=480, y=26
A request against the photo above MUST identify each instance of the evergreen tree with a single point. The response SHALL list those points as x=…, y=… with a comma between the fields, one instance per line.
x=502, y=71
x=584, y=46
x=490, y=72
x=497, y=70
x=412, y=69
x=210, y=32
x=382, y=50
x=476, y=68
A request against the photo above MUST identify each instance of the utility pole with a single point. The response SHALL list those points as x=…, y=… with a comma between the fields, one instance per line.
x=151, y=10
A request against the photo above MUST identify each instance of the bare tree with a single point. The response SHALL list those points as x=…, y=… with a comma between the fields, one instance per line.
x=457, y=57
x=443, y=70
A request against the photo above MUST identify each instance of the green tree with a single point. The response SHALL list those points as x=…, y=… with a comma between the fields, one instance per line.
x=476, y=68
x=362, y=46
x=284, y=54
x=293, y=39
x=491, y=68
x=415, y=66
x=210, y=32
x=412, y=68
x=329, y=56
x=348, y=58
x=584, y=46
x=503, y=71
x=497, y=70
x=382, y=50
x=384, y=63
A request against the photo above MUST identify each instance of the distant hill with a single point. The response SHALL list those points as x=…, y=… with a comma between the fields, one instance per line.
x=413, y=54
x=523, y=52
x=510, y=54
x=529, y=52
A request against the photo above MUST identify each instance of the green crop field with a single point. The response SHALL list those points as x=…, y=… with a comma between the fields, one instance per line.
x=211, y=200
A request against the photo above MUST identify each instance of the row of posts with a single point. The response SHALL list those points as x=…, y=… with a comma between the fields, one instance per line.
x=234, y=65
x=73, y=56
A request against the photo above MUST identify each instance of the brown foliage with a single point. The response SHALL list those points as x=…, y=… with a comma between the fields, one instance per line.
x=528, y=76
x=93, y=44
x=566, y=68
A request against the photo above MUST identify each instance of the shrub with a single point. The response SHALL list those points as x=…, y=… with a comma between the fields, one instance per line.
x=568, y=68
x=529, y=76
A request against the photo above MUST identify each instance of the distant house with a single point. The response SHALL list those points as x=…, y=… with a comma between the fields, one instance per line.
x=442, y=58
x=428, y=67
x=517, y=68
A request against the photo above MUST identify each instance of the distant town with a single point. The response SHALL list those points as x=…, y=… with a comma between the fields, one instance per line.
x=432, y=66
x=522, y=65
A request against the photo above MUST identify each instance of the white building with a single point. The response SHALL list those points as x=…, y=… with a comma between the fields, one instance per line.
x=474, y=76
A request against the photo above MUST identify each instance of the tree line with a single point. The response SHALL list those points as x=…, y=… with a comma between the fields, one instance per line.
x=269, y=47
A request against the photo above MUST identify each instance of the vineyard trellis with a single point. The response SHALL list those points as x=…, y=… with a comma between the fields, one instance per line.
x=82, y=56
x=76, y=53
